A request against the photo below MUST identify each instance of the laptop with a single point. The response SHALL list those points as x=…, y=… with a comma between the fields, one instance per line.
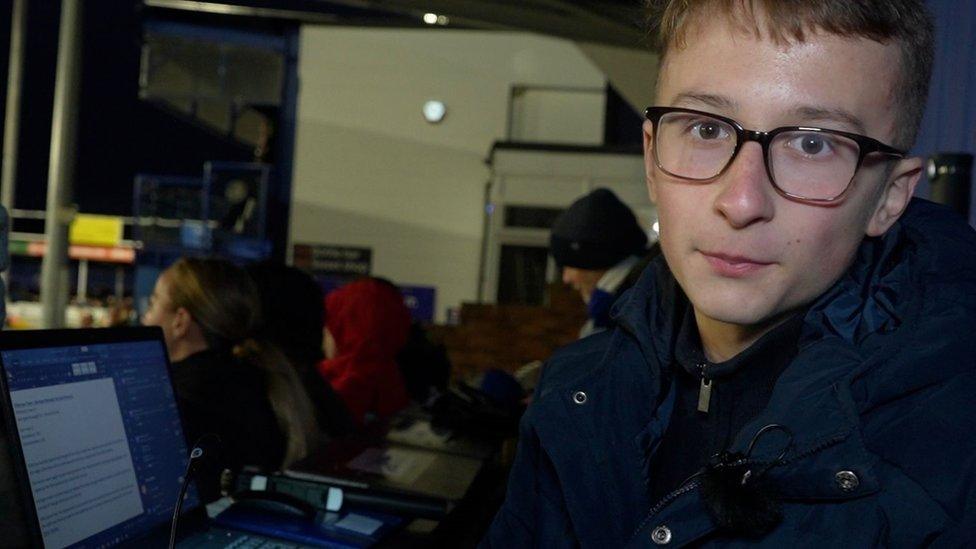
x=391, y=470
x=96, y=443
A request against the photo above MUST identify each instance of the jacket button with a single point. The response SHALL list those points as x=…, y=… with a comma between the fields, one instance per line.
x=847, y=481
x=661, y=535
x=579, y=397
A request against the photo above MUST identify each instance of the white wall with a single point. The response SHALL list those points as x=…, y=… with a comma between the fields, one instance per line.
x=540, y=115
x=369, y=171
x=633, y=72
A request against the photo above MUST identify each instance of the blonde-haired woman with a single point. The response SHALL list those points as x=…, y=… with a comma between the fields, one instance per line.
x=227, y=382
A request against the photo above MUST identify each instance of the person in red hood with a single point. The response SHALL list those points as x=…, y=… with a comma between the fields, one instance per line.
x=366, y=325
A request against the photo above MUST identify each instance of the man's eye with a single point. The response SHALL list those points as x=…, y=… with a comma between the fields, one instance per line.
x=708, y=130
x=811, y=144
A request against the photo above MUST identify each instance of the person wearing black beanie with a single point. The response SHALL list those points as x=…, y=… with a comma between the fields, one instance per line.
x=601, y=250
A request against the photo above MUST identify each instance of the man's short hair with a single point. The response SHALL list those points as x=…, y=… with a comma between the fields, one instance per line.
x=906, y=22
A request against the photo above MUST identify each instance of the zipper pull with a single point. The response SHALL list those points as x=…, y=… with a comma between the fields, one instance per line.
x=704, y=391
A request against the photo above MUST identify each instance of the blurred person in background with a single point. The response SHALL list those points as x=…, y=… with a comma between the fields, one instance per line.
x=425, y=365
x=292, y=316
x=366, y=325
x=121, y=312
x=227, y=381
x=601, y=251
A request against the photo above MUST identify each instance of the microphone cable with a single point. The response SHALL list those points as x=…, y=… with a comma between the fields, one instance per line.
x=204, y=449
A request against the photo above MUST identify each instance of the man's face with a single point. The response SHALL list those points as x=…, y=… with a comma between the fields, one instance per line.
x=744, y=254
x=582, y=280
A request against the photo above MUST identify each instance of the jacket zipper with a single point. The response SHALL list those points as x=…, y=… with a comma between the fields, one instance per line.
x=814, y=449
x=705, y=390
x=683, y=489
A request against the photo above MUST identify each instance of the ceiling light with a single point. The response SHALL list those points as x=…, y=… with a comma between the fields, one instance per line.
x=430, y=18
x=434, y=111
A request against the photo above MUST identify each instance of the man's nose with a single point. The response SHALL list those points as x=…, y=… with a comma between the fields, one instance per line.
x=746, y=194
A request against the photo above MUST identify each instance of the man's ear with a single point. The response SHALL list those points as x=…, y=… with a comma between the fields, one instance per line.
x=649, y=160
x=898, y=191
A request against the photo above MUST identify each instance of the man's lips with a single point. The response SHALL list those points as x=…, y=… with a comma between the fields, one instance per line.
x=734, y=266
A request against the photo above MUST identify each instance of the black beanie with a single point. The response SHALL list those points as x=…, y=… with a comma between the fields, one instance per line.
x=596, y=232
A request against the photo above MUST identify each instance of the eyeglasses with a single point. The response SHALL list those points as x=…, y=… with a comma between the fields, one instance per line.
x=806, y=164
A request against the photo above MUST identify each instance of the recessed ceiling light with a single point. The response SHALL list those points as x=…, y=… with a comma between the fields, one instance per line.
x=430, y=18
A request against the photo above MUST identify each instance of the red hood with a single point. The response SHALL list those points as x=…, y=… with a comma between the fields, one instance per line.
x=367, y=319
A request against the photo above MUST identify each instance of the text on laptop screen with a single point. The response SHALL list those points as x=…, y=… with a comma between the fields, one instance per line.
x=101, y=438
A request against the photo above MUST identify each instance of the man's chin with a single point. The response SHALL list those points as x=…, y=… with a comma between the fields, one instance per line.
x=745, y=313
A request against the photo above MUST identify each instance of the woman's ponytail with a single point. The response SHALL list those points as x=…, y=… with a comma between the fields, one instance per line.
x=289, y=400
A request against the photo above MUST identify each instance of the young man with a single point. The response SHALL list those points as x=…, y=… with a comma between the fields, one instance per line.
x=797, y=372
x=601, y=250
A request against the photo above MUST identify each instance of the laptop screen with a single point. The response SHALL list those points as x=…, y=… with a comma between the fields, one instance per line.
x=100, y=436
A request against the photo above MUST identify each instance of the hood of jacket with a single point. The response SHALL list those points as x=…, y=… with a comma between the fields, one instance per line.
x=367, y=320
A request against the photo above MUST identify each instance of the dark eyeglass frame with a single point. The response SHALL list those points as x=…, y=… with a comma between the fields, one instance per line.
x=866, y=145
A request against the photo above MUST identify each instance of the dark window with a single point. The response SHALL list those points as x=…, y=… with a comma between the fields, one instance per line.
x=522, y=275
x=530, y=216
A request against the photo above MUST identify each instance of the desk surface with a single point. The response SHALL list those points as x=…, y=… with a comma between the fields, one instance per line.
x=413, y=457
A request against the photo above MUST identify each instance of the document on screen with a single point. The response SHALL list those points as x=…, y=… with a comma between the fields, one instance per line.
x=78, y=459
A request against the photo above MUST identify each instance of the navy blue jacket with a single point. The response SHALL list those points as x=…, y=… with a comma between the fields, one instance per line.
x=879, y=400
